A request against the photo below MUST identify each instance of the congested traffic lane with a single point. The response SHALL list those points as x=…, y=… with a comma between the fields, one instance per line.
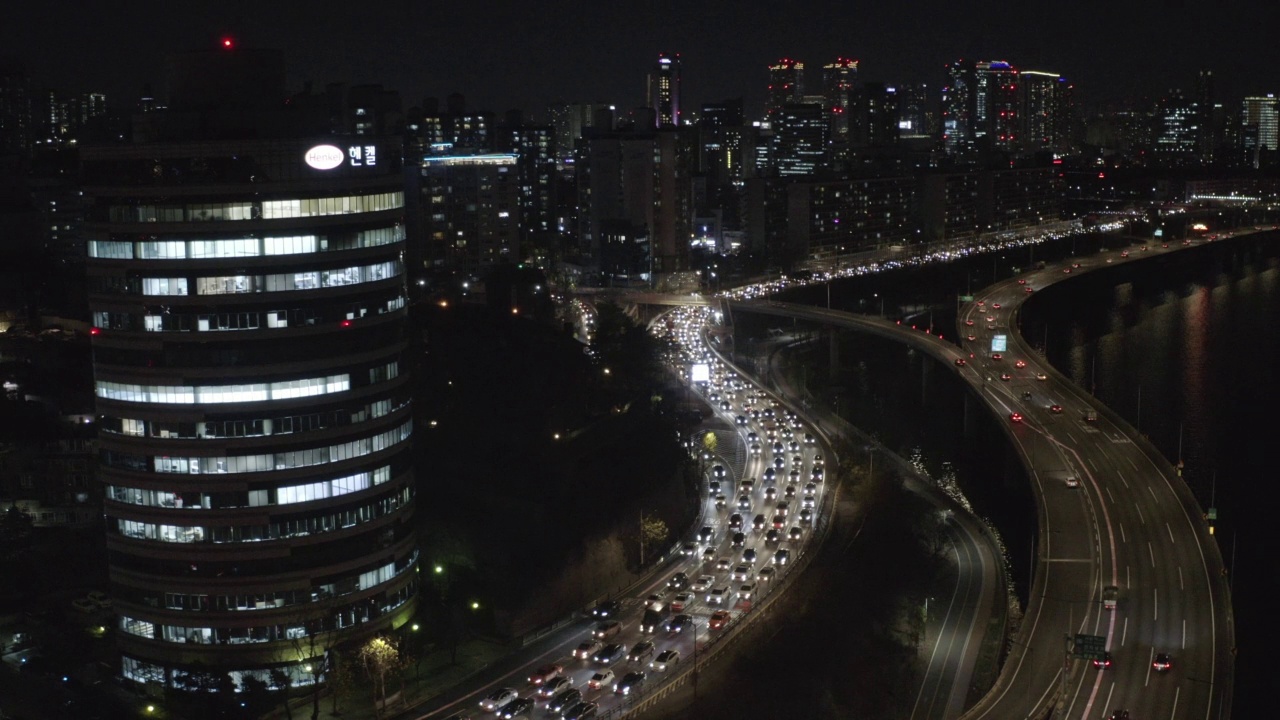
x=754, y=523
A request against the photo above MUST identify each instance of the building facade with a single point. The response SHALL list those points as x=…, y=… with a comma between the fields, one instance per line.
x=664, y=91
x=252, y=385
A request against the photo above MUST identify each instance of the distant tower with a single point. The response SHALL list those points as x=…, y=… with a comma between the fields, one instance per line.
x=664, y=91
x=837, y=80
x=997, y=117
x=1204, y=108
x=958, y=111
x=786, y=85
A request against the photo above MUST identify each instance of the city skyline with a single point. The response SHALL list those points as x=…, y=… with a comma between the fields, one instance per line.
x=517, y=59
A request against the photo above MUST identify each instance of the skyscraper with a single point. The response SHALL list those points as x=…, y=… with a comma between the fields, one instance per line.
x=996, y=117
x=959, y=97
x=786, y=85
x=801, y=135
x=916, y=116
x=874, y=116
x=1046, y=110
x=1205, y=142
x=249, y=346
x=1260, y=125
x=664, y=91
x=1177, y=130
x=838, y=79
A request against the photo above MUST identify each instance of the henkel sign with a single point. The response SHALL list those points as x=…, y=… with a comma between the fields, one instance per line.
x=324, y=157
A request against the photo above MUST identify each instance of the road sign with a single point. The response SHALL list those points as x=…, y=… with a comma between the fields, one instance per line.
x=1212, y=514
x=966, y=298
x=999, y=343
x=1090, y=647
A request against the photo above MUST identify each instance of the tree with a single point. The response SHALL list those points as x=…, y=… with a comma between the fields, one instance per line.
x=340, y=677
x=653, y=531
x=282, y=680
x=379, y=657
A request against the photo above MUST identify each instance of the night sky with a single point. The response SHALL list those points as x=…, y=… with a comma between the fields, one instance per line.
x=508, y=55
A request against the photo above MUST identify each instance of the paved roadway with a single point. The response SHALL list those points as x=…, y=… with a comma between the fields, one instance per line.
x=1131, y=523
x=717, y=557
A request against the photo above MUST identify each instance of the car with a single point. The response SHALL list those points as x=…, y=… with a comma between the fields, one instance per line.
x=744, y=503
x=702, y=584
x=960, y=362
x=543, y=674
x=1066, y=270
x=516, y=708
x=606, y=609
x=84, y=605
x=580, y=711
x=610, y=654
x=1015, y=417
x=995, y=305
x=708, y=555
x=718, y=595
x=982, y=303
x=1125, y=254
x=810, y=440
x=969, y=323
x=766, y=574
x=747, y=486
x=689, y=549
x=718, y=472
x=722, y=502
x=735, y=521
x=1006, y=377
x=991, y=318
x=997, y=356
x=678, y=623
x=795, y=534
x=665, y=660
x=773, y=536
x=1077, y=265
x=629, y=683
x=810, y=489
x=770, y=475
x=719, y=619
x=563, y=700
x=1103, y=662
x=1026, y=394
x=641, y=652
x=1022, y=281
x=758, y=523
x=1120, y=715
x=770, y=494
x=782, y=556
x=740, y=420
x=741, y=573
x=971, y=338
x=1072, y=481
x=1042, y=376
x=1020, y=364
x=1029, y=289
x=498, y=699
x=713, y=488
x=746, y=591
x=779, y=463
x=755, y=448
x=681, y=601
x=587, y=649
x=739, y=540
x=1055, y=408
x=1162, y=662
x=749, y=556
x=679, y=581
x=99, y=598
x=723, y=564
x=725, y=406
x=554, y=686
x=606, y=630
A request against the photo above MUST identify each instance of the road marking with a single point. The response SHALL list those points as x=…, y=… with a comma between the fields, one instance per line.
x=1153, y=494
x=1123, y=479
x=1155, y=597
x=1090, y=461
x=1180, y=585
x=1107, y=704
x=1123, y=538
x=1124, y=633
x=1141, y=517
x=1166, y=527
x=1127, y=583
x=1153, y=553
x=1176, y=693
x=1131, y=462
x=1184, y=633
x=1113, y=497
x=1150, y=661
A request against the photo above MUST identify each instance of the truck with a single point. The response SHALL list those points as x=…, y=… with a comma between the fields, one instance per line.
x=654, y=617
x=1091, y=416
x=1109, y=595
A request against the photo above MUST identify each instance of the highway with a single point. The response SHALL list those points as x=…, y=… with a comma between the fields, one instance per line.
x=1124, y=520
x=773, y=518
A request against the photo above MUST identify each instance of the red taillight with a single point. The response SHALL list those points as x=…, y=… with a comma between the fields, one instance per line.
x=346, y=323
x=95, y=331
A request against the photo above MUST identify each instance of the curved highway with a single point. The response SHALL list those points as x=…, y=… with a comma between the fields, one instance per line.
x=1112, y=512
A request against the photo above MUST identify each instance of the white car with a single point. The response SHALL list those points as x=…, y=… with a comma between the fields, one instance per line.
x=495, y=700
x=666, y=660
x=741, y=573
x=746, y=591
x=702, y=584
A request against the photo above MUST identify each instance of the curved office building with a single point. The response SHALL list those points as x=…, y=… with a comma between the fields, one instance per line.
x=252, y=385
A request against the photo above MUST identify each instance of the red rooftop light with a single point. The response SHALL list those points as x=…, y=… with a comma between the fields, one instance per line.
x=227, y=43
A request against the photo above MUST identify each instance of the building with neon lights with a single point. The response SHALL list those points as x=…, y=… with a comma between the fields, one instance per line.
x=246, y=285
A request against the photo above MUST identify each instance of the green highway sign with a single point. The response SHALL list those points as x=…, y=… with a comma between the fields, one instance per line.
x=1212, y=514
x=1090, y=647
x=966, y=298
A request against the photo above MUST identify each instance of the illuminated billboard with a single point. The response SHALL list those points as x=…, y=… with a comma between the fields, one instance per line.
x=999, y=343
x=700, y=372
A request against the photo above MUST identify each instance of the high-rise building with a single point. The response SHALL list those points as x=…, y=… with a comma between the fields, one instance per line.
x=1260, y=128
x=996, y=118
x=1046, y=110
x=800, y=137
x=664, y=91
x=15, y=108
x=570, y=120
x=534, y=147
x=786, y=85
x=1206, y=142
x=1176, y=130
x=874, y=116
x=959, y=98
x=471, y=205
x=249, y=348
x=916, y=115
x=721, y=132
x=838, y=79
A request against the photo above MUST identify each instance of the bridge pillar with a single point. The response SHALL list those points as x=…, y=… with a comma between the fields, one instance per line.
x=925, y=365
